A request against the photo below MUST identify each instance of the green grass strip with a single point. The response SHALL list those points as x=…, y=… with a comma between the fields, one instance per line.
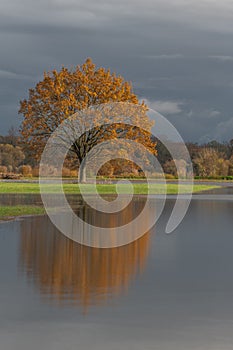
x=33, y=188
x=20, y=210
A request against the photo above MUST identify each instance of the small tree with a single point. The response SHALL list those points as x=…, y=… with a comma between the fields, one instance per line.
x=230, y=170
x=10, y=155
x=25, y=170
x=179, y=171
x=211, y=163
x=12, y=137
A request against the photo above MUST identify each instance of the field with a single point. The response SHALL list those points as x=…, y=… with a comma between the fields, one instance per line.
x=138, y=188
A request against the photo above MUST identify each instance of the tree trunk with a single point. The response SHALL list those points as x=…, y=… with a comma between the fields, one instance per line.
x=82, y=172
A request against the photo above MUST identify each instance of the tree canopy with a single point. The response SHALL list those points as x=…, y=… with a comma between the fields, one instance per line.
x=63, y=93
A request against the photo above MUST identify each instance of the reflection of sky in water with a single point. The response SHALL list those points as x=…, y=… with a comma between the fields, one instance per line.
x=181, y=299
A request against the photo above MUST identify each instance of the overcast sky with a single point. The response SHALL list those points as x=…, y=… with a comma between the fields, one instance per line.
x=178, y=54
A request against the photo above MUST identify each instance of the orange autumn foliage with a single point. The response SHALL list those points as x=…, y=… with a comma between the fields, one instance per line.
x=63, y=93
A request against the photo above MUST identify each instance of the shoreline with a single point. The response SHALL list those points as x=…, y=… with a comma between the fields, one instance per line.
x=9, y=212
x=12, y=212
x=7, y=219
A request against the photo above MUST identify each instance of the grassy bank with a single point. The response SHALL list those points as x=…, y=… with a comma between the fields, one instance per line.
x=33, y=188
x=20, y=210
x=138, y=188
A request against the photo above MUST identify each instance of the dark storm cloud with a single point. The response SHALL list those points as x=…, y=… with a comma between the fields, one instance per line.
x=178, y=54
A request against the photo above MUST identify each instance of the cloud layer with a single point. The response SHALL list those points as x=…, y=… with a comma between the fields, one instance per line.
x=177, y=53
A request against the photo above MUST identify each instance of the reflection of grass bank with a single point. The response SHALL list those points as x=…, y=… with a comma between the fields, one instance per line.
x=138, y=188
x=19, y=210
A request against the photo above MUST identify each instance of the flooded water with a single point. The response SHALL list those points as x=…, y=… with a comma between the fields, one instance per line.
x=159, y=292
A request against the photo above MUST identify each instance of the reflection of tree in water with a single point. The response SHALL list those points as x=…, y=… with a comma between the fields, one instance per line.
x=67, y=271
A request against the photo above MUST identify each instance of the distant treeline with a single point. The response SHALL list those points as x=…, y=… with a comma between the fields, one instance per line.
x=212, y=160
x=209, y=160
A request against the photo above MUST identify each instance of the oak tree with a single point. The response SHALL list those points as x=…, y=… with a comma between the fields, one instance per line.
x=63, y=93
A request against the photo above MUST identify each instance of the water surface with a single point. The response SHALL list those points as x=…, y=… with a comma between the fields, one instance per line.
x=161, y=292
